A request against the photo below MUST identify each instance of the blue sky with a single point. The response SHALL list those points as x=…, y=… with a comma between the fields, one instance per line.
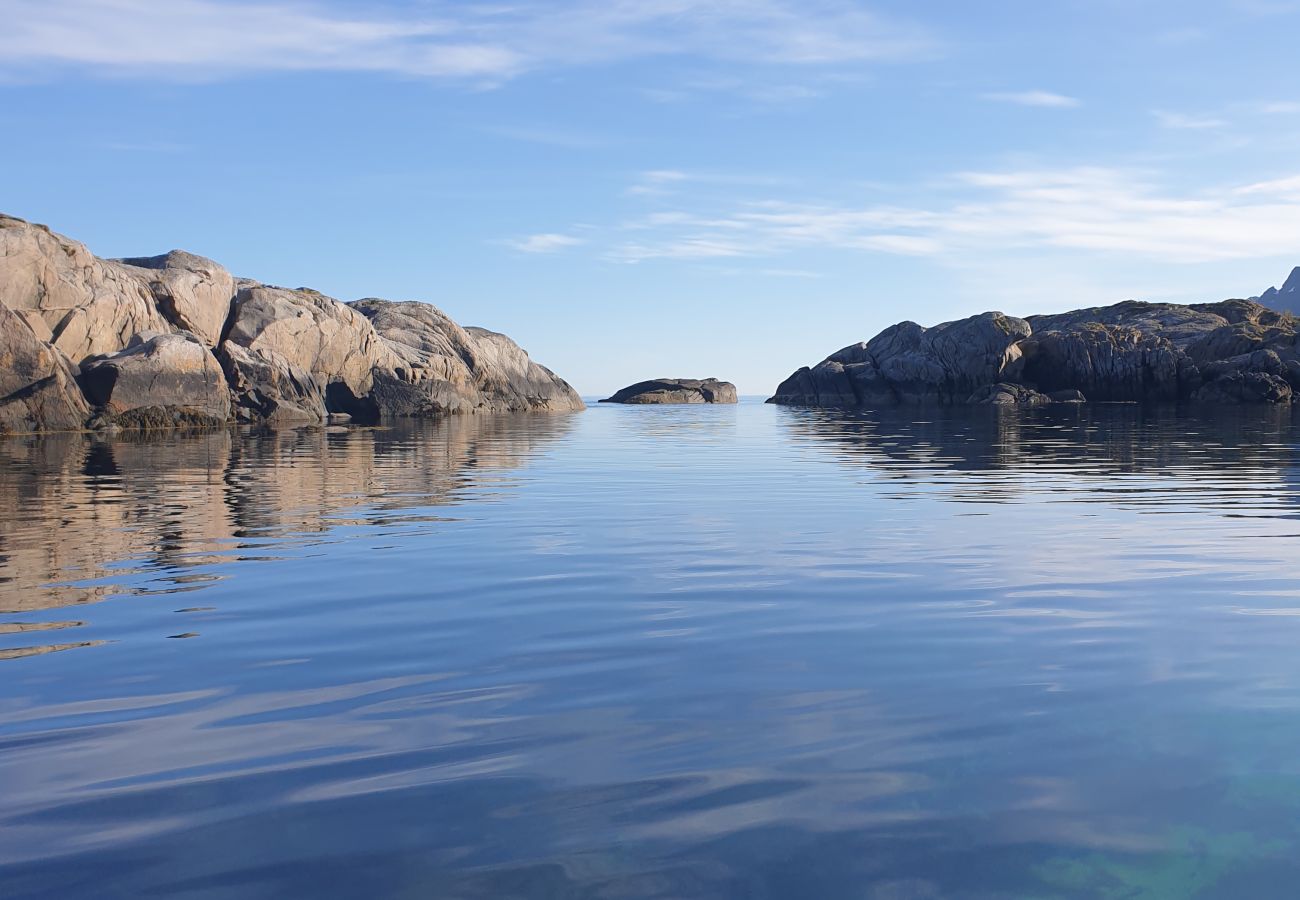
x=669, y=187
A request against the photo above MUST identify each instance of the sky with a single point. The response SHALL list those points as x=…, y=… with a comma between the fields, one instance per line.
x=672, y=188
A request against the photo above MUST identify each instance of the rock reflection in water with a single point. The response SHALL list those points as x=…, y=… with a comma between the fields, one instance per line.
x=83, y=518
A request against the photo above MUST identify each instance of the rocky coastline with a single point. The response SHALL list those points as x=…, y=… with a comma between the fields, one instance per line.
x=176, y=340
x=1233, y=352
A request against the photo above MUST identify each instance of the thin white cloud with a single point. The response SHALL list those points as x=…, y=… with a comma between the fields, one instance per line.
x=545, y=243
x=1279, y=108
x=1185, y=122
x=445, y=39
x=1092, y=210
x=1044, y=99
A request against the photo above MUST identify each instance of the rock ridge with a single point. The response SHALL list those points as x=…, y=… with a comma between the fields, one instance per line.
x=176, y=339
x=1234, y=351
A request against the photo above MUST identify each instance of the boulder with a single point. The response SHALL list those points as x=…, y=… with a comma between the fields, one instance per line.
x=676, y=390
x=38, y=388
x=157, y=379
x=443, y=368
x=1067, y=396
x=294, y=356
x=1245, y=388
x=193, y=293
x=1005, y=394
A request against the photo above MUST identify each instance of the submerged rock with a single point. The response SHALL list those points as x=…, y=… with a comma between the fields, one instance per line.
x=1004, y=394
x=676, y=390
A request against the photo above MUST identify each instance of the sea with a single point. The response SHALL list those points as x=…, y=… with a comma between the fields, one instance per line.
x=740, y=651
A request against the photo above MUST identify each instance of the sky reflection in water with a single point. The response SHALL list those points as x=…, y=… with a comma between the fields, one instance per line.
x=638, y=652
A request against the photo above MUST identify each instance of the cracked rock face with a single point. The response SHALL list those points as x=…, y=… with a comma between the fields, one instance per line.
x=38, y=388
x=177, y=339
x=174, y=373
x=663, y=391
x=1237, y=351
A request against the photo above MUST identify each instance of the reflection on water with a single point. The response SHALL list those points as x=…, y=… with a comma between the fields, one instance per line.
x=643, y=652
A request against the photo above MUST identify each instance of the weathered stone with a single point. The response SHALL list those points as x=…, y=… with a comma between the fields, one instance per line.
x=1005, y=394
x=1108, y=362
x=1245, y=387
x=193, y=293
x=172, y=373
x=295, y=356
x=442, y=368
x=676, y=390
x=38, y=389
x=78, y=303
x=1067, y=396
x=286, y=356
x=910, y=364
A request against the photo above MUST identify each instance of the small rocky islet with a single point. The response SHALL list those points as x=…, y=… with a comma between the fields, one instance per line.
x=1232, y=352
x=176, y=340
x=666, y=391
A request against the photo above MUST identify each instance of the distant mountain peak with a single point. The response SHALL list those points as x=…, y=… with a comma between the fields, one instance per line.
x=1285, y=298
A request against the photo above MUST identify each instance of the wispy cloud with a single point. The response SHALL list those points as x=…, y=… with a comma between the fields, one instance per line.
x=1045, y=99
x=1185, y=122
x=1094, y=210
x=549, y=242
x=444, y=39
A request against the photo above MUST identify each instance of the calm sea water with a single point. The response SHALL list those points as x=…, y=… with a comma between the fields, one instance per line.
x=657, y=653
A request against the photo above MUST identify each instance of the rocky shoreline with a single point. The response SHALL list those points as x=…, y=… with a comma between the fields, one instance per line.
x=1235, y=352
x=172, y=340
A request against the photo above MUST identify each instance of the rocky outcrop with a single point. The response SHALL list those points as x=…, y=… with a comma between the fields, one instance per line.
x=38, y=388
x=191, y=292
x=442, y=366
x=910, y=364
x=176, y=338
x=157, y=381
x=1236, y=351
x=661, y=391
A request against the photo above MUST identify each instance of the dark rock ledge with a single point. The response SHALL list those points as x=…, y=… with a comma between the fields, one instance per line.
x=1236, y=351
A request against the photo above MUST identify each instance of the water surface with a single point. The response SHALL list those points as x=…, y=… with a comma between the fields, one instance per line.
x=657, y=653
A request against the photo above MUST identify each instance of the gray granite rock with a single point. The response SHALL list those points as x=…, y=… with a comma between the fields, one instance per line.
x=908, y=364
x=38, y=388
x=1005, y=394
x=172, y=376
x=665, y=391
x=1130, y=351
x=443, y=368
x=149, y=329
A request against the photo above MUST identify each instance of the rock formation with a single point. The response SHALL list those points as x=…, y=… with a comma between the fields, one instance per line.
x=1236, y=351
x=676, y=390
x=176, y=339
